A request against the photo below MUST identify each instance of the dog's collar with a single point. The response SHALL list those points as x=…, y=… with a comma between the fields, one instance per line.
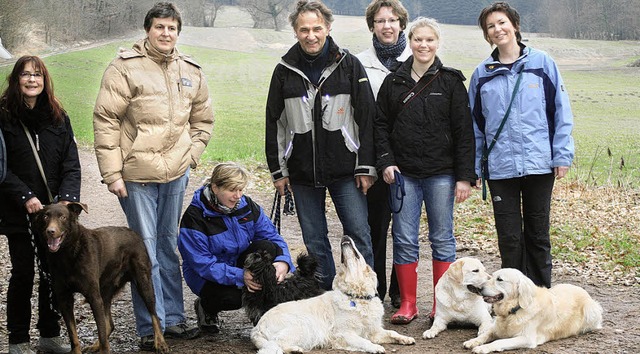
x=352, y=297
x=362, y=297
x=515, y=309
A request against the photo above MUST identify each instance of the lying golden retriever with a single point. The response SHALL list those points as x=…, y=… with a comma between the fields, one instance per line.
x=348, y=318
x=457, y=297
x=527, y=315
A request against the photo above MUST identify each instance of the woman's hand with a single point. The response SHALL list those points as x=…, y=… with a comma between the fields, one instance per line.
x=252, y=286
x=282, y=268
x=118, y=188
x=388, y=174
x=33, y=205
x=463, y=191
x=281, y=184
x=560, y=171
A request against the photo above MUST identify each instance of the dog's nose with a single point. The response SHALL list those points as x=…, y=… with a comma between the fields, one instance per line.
x=51, y=231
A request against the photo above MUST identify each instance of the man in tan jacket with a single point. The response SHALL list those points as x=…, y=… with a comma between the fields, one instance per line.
x=152, y=121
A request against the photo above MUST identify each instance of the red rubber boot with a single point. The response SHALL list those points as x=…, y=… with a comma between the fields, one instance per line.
x=438, y=269
x=408, y=284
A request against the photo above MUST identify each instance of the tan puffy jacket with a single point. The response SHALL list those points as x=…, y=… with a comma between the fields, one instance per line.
x=153, y=116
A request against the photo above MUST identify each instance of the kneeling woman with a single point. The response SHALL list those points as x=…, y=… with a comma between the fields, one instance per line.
x=218, y=230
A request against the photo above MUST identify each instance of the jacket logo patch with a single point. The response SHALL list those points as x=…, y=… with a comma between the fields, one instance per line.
x=435, y=94
x=185, y=82
x=340, y=110
x=534, y=86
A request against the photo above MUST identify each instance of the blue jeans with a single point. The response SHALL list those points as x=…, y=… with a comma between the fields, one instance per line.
x=438, y=194
x=351, y=207
x=153, y=210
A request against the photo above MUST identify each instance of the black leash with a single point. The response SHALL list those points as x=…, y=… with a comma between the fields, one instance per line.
x=288, y=208
x=44, y=275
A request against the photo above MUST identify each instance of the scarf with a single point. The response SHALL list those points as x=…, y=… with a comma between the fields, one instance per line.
x=37, y=118
x=388, y=54
x=214, y=204
x=312, y=66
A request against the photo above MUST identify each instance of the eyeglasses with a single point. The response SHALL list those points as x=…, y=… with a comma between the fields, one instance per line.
x=392, y=21
x=26, y=75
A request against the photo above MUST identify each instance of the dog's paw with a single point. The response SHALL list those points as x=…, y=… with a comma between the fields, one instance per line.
x=472, y=343
x=483, y=349
x=430, y=333
x=405, y=340
x=376, y=348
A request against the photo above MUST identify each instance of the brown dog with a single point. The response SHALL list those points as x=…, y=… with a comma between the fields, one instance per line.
x=97, y=264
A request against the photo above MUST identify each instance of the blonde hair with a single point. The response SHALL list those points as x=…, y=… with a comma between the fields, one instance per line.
x=229, y=176
x=420, y=22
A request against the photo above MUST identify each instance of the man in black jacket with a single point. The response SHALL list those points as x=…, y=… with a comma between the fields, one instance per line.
x=319, y=134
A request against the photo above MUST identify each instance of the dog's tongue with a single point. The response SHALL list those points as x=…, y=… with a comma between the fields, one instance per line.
x=54, y=244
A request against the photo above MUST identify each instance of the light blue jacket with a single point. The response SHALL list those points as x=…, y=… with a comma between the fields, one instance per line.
x=537, y=134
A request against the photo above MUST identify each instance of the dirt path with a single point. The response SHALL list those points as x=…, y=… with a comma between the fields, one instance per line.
x=621, y=333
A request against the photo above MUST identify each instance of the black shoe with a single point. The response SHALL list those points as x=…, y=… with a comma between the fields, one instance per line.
x=181, y=331
x=146, y=344
x=206, y=322
x=395, y=300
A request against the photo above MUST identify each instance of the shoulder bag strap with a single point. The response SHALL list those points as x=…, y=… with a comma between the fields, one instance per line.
x=487, y=150
x=420, y=85
x=38, y=162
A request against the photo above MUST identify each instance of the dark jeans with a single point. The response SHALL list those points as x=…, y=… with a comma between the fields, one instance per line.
x=21, y=288
x=379, y=220
x=521, y=208
x=216, y=297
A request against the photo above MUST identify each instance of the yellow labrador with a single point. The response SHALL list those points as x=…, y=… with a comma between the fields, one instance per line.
x=457, y=297
x=348, y=318
x=527, y=315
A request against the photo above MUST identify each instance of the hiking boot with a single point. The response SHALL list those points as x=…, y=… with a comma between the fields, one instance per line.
x=22, y=348
x=181, y=331
x=53, y=345
x=206, y=322
x=146, y=343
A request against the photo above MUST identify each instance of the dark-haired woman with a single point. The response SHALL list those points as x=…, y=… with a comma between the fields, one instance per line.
x=28, y=106
x=521, y=86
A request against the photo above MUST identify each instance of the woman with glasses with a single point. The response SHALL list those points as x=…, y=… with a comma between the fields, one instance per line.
x=29, y=107
x=424, y=135
x=386, y=19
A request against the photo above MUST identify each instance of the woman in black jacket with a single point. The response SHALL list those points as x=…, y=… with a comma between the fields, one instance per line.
x=28, y=106
x=424, y=136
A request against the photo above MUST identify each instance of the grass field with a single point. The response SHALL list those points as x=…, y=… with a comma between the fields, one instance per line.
x=592, y=225
x=604, y=93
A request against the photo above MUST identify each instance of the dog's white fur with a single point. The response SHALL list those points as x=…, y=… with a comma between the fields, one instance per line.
x=527, y=315
x=349, y=317
x=455, y=302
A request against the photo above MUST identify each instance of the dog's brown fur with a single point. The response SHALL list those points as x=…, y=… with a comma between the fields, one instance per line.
x=96, y=263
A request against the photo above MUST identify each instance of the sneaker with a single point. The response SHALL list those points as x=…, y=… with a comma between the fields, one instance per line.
x=207, y=323
x=53, y=345
x=22, y=348
x=146, y=344
x=181, y=331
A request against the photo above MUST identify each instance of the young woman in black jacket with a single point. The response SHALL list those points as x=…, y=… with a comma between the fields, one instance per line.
x=425, y=148
x=28, y=106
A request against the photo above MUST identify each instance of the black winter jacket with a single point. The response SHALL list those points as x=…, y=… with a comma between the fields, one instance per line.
x=59, y=156
x=316, y=135
x=433, y=135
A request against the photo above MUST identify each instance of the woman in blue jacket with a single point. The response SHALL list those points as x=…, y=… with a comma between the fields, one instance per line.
x=218, y=230
x=520, y=157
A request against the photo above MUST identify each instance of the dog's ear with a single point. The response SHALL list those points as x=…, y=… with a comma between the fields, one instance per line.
x=77, y=208
x=526, y=291
x=456, y=271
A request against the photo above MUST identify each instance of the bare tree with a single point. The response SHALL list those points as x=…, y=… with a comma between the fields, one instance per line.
x=266, y=12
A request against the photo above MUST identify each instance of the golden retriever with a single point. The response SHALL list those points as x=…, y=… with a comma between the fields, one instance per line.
x=457, y=297
x=528, y=315
x=349, y=317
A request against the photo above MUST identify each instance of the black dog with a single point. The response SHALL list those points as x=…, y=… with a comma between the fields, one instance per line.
x=302, y=284
x=97, y=264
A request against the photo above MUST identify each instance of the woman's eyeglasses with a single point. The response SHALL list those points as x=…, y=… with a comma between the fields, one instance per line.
x=27, y=75
x=391, y=21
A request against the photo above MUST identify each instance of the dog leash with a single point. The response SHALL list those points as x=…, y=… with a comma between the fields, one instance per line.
x=400, y=192
x=288, y=208
x=44, y=275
